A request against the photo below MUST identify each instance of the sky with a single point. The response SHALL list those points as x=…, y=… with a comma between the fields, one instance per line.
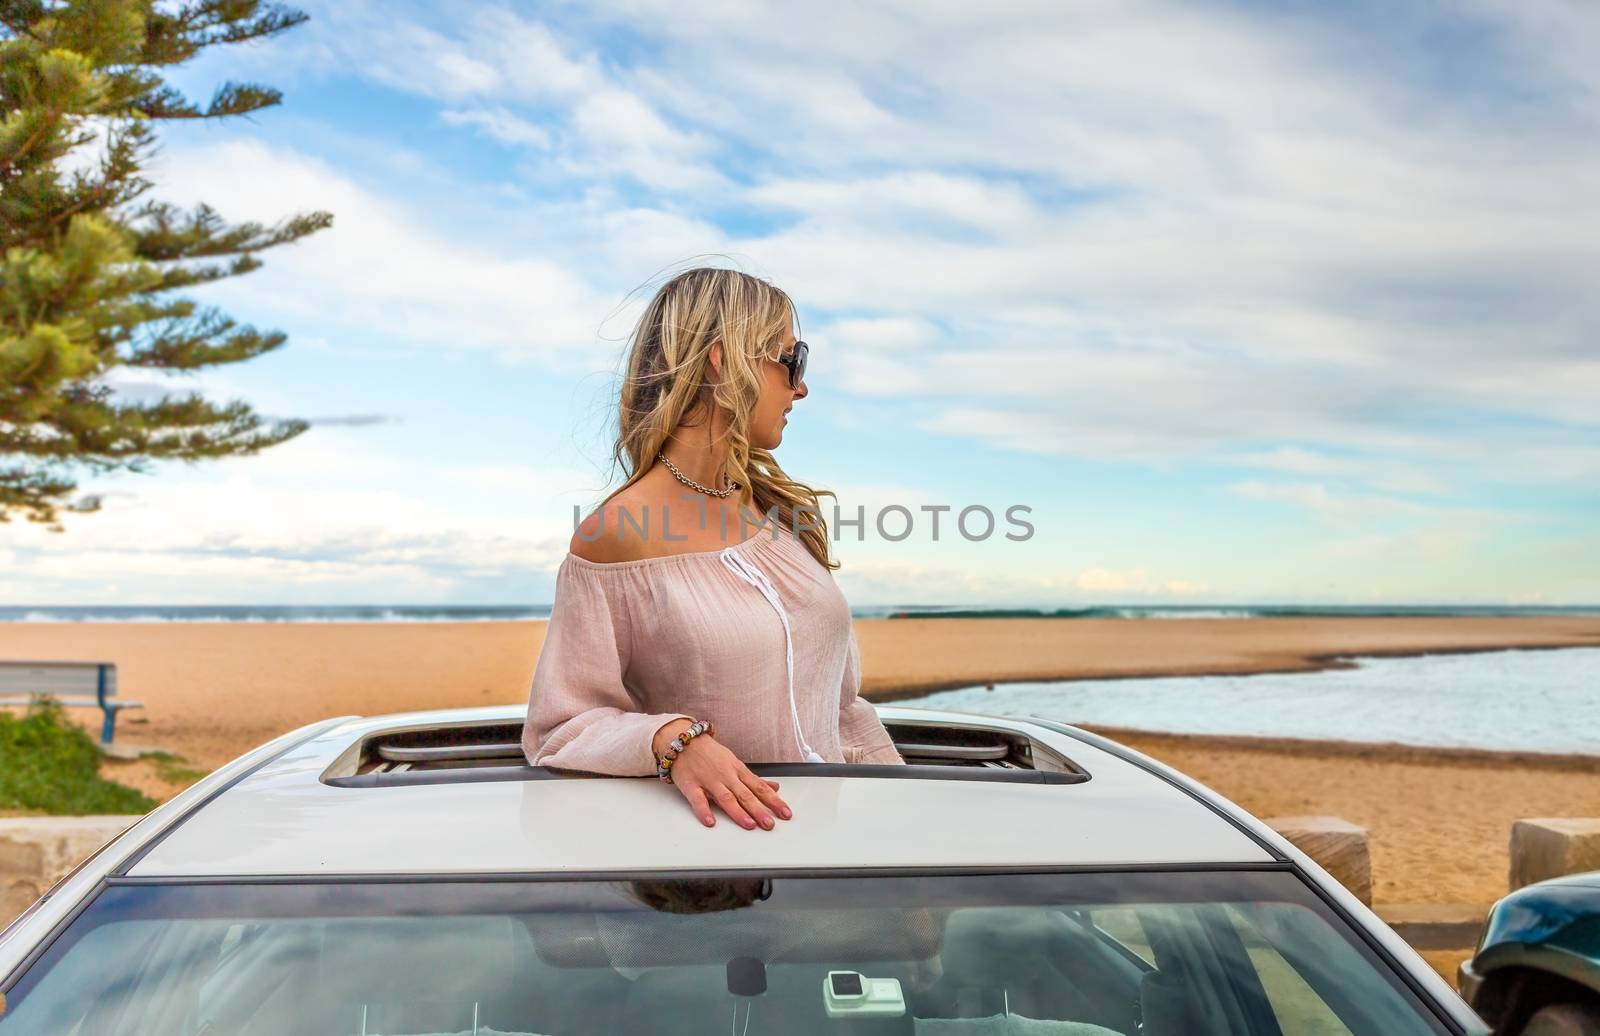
x=1244, y=302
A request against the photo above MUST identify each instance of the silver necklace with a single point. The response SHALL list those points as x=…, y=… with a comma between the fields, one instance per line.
x=733, y=487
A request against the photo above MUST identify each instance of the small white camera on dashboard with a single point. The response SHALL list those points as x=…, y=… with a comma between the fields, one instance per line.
x=850, y=994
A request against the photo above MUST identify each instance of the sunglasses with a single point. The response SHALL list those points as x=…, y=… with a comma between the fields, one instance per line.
x=796, y=362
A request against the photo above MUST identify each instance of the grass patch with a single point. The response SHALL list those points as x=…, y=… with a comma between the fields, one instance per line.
x=48, y=765
x=173, y=769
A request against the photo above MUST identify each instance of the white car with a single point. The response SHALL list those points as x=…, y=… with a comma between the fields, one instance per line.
x=411, y=874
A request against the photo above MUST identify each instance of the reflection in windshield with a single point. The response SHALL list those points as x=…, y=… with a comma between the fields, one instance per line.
x=1160, y=954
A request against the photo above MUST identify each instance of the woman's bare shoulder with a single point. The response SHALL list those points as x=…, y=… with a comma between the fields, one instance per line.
x=649, y=520
x=597, y=536
x=592, y=543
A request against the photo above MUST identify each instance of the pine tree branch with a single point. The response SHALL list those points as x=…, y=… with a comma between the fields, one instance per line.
x=87, y=270
x=196, y=26
x=164, y=233
x=19, y=16
x=229, y=99
x=213, y=342
x=92, y=431
x=34, y=493
x=117, y=170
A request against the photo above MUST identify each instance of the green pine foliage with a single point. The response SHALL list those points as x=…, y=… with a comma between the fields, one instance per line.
x=90, y=267
x=48, y=765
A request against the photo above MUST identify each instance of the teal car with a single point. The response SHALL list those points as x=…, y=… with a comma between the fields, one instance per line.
x=1536, y=971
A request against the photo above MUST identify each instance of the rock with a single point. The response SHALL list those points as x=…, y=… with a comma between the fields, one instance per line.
x=20, y=857
x=36, y=851
x=1337, y=845
x=17, y=896
x=1548, y=847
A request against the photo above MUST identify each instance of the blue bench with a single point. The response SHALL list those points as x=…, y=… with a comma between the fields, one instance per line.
x=71, y=684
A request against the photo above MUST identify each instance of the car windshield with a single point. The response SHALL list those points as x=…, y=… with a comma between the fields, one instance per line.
x=1083, y=954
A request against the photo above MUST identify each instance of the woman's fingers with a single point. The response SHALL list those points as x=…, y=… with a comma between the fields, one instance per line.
x=767, y=792
x=718, y=777
x=753, y=806
x=729, y=802
x=696, y=797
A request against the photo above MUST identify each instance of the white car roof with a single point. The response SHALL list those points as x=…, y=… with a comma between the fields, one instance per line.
x=283, y=819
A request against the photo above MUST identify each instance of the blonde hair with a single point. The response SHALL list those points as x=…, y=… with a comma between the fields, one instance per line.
x=667, y=378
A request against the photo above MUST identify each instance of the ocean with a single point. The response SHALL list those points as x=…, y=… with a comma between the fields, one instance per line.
x=1537, y=701
x=509, y=612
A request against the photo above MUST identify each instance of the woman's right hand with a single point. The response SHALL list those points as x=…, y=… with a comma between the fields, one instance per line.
x=707, y=772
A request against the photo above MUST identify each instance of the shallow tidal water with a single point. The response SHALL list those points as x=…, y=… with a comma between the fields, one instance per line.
x=1539, y=701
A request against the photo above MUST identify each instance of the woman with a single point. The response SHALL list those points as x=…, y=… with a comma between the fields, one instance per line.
x=674, y=608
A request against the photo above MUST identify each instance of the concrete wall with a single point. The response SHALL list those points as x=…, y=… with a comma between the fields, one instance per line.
x=1549, y=847
x=1339, y=846
x=35, y=852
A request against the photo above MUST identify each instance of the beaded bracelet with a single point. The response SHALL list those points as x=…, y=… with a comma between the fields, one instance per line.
x=678, y=744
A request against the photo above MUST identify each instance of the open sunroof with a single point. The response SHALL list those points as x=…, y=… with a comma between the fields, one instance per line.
x=469, y=753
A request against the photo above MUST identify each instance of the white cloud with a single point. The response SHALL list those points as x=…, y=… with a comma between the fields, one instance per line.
x=317, y=520
x=933, y=201
x=500, y=125
x=1109, y=584
x=378, y=268
x=623, y=134
x=1364, y=509
x=485, y=51
x=1381, y=474
x=1101, y=580
x=501, y=59
x=877, y=334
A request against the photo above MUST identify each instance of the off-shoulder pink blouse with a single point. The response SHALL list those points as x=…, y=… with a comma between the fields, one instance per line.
x=755, y=637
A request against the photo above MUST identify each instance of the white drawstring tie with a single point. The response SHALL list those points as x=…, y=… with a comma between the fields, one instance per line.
x=758, y=579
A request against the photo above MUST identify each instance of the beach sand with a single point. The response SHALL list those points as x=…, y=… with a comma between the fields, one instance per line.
x=1440, y=820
